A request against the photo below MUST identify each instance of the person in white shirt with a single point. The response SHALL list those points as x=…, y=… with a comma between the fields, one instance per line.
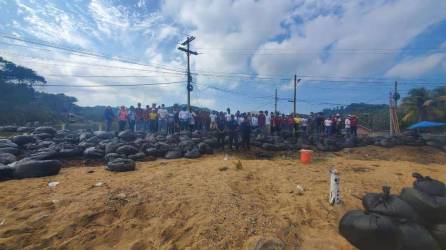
x=184, y=116
x=162, y=119
x=348, y=123
x=304, y=125
x=267, y=122
x=213, y=117
x=328, y=124
x=228, y=115
x=254, y=121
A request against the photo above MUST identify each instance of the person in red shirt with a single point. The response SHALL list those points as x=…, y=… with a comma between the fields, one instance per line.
x=277, y=122
x=261, y=120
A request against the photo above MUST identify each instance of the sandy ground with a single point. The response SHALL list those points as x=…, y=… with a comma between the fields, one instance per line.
x=208, y=203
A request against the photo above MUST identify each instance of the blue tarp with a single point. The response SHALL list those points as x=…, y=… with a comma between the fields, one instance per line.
x=427, y=124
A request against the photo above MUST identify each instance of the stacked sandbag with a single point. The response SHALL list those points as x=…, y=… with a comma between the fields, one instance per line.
x=415, y=219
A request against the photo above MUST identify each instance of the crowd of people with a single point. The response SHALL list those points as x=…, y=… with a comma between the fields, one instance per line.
x=159, y=119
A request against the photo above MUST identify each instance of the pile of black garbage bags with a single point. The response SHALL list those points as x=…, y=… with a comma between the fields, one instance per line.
x=415, y=219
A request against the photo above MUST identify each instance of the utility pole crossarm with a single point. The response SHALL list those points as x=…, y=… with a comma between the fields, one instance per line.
x=189, y=87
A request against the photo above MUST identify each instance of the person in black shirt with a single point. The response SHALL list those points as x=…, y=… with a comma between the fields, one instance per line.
x=233, y=128
x=221, y=125
x=245, y=130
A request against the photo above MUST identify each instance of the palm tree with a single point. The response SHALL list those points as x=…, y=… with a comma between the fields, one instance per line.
x=417, y=106
x=439, y=103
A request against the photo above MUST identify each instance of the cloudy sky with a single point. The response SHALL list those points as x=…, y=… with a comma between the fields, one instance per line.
x=342, y=50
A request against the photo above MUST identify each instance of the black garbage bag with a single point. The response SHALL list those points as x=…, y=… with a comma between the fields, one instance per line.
x=173, y=154
x=127, y=150
x=193, y=153
x=6, y=158
x=44, y=154
x=390, y=205
x=121, y=165
x=45, y=130
x=36, y=168
x=112, y=156
x=10, y=150
x=438, y=231
x=416, y=237
x=6, y=143
x=93, y=153
x=137, y=157
x=23, y=139
x=112, y=146
x=430, y=208
x=6, y=172
x=368, y=231
x=127, y=135
x=429, y=186
x=151, y=152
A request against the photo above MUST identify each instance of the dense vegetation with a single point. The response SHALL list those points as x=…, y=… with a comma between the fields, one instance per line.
x=21, y=103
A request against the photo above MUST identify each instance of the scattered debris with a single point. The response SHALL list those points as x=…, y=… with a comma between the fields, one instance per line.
x=238, y=165
x=98, y=184
x=90, y=171
x=2, y=222
x=121, y=196
x=223, y=168
x=300, y=189
x=53, y=183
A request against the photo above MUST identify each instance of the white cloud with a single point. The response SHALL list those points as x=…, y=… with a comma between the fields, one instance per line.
x=417, y=66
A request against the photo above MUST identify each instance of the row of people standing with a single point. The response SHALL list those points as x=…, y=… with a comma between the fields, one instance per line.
x=159, y=119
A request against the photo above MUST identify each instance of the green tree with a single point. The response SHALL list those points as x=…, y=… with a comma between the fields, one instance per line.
x=417, y=105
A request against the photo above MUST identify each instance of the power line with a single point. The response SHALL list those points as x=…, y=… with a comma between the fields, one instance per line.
x=85, y=53
x=108, y=85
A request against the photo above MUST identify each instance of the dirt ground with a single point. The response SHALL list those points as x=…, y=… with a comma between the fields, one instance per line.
x=207, y=203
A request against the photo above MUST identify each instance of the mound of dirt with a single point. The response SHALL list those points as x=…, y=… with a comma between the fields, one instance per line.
x=178, y=204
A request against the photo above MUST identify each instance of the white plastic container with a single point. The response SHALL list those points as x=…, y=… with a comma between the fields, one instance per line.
x=335, y=195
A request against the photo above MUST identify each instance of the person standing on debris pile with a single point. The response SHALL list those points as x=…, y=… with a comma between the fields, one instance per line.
x=176, y=115
x=268, y=128
x=109, y=116
x=162, y=119
x=328, y=124
x=170, y=122
x=122, y=117
x=132, y=118
x=262, y=121
x=139, y=112
x=245, y=131
x=153, y=120
x=213, y=118
x=184, y=116
x=221, y=129
x=233, y=129
x=254, y=122
x=147, y=118
x=348, y=125
x=354, y=125
x=304, y=126
x=193, y=121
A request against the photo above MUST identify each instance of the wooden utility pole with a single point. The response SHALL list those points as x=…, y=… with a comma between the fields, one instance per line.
x=186, y=43
x=275, y=103
x=294, y=99
x=296, y=81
